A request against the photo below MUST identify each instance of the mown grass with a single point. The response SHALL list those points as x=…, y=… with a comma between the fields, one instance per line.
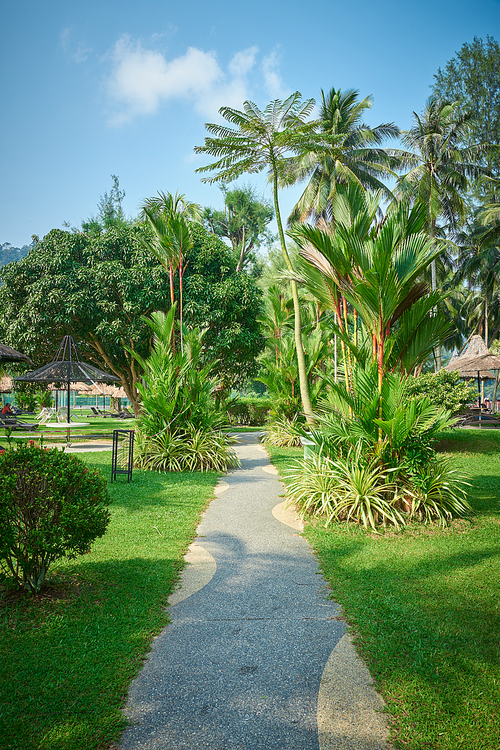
x=67, y=656
x=102, y=426
x=424, y=606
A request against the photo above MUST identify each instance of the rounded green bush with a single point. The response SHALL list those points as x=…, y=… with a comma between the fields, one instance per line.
x=51, y=506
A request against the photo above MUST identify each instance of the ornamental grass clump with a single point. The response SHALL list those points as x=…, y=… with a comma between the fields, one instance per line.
x=51, y=506
x=283, y=432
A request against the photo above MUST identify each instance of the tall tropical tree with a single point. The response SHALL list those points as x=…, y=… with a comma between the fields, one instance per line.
x=472, y=78
x=243, y=222
x=439, y=165
x=355, y=154
x=256, y=141
x=440, y=168
x=169, y=216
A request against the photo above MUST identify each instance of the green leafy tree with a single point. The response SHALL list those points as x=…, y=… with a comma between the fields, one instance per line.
x=225, y=303
x=110, y=211
x=442, y=388
x=354, y=154
x=472, y=79
x=95, y=288
x=257, y=141
x=243, y=222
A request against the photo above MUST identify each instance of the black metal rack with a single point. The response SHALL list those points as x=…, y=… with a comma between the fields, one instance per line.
x=120, y=440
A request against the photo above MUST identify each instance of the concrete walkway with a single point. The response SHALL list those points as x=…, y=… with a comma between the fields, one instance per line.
x=255, y=657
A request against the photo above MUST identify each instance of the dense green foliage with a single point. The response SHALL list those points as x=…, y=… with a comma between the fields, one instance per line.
x=248, y=411
x=443, y=389
x=51, y=506
x=93, y=287
x=96, y=287
x=179, y=425
x=226, y=304
x=472, y=78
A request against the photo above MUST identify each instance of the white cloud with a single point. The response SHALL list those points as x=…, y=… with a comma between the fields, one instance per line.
x=142, y=79
x=242, y=62
x=81, y=53
x=64, y=37
x=272, y=79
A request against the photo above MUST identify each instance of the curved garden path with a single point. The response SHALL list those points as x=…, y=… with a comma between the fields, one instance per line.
x=255, y=656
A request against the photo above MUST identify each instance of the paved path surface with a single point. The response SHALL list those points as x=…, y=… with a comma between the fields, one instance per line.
x=255, y=657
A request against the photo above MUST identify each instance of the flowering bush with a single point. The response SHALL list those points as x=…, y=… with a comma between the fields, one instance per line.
x=51, y=506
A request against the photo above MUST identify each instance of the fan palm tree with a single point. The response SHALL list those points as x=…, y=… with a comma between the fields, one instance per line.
x=169, y=216
x=354, y=156
x=257, y=141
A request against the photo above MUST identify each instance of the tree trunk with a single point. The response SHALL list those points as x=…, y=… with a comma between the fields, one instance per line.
x=437, y=350
x=299, y=347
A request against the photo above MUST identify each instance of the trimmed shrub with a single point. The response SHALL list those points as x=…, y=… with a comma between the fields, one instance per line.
x=443, y=389
x=51, y=506
x=249, y=411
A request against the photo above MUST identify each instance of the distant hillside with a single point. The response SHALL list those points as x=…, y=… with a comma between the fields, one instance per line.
x=9, y=253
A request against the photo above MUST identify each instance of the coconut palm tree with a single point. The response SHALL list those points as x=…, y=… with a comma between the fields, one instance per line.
x=256, y=141
x=440, y=168
x=355, y=154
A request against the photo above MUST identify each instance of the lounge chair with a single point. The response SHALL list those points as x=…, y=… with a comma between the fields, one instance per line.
x=12, y=423
x=96, y=412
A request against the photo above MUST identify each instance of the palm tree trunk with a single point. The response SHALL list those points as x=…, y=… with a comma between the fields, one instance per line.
x=437, y=350
x=180, y=301
x=299, y=347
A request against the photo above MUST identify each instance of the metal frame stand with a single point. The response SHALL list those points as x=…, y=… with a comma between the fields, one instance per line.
x=127, y=435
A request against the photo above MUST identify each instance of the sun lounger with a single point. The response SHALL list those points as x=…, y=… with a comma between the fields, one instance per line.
x=12, y=423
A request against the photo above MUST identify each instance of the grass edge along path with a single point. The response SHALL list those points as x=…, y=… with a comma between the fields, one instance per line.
x=424, y=608
x=67, y=656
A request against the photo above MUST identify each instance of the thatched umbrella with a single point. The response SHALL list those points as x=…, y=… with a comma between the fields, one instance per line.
x=7, y=354
x=475, y=363
x=67, y=368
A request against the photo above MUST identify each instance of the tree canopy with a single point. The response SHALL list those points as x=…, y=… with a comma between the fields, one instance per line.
x=243, y=222
x=93, y=287
x=97, y=287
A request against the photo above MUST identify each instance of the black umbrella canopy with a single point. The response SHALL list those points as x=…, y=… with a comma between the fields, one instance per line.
x=67, y=368
x=7, y=354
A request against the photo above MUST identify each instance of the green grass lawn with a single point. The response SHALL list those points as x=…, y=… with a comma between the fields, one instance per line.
x=67, y=656
x=102, y=426
x=424, y=606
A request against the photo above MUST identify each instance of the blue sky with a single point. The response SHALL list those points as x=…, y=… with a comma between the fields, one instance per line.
x=100, y=87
